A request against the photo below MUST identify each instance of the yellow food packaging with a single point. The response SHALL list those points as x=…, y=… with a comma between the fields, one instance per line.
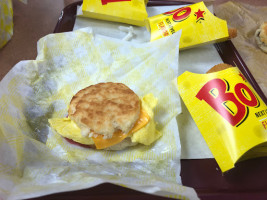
x=198, y=24
x=124, y=11
x=229, y=114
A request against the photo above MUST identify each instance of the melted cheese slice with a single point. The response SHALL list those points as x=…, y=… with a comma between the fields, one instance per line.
x=118, y=136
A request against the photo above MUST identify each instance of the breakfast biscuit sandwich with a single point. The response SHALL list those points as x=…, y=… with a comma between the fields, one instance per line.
x=108, y=116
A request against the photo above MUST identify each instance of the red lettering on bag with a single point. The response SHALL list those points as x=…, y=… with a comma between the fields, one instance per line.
x=184, y=14
x=240, y=88
x=219, y=101
x=163, y=29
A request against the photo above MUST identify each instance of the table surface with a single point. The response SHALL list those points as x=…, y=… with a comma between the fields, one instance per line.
x=39, y=18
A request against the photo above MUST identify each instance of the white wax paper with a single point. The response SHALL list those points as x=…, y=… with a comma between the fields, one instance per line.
x=196, y=60
x=36, y=161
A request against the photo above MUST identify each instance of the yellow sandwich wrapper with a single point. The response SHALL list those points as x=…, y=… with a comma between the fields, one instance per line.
x=124, y=11
x=198, y=25
x=229, y=114
x=35, y=160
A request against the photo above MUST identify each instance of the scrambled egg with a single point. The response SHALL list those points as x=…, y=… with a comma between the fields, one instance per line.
x=146, y=135
x=69, y=129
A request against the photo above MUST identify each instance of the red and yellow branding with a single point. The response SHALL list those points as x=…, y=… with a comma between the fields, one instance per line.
x=234, y=107
x=198, y=25
x=124, y=11
x=228, y=112
x=179, y=14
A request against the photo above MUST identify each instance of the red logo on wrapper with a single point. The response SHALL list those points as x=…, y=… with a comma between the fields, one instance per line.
x=163, y=29
x=200, y=15
x=104, y=2
x=179, y=14
x=232, y=106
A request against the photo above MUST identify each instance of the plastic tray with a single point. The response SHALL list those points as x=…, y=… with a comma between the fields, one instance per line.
x=247, y=181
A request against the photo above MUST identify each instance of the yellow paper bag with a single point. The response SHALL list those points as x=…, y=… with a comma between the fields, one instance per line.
x=124, y=11
x=198, y=24
x=229, y=114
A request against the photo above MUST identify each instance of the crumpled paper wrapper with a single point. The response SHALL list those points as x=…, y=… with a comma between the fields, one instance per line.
x=198, y=60
x=35, y=161
x=247, y=19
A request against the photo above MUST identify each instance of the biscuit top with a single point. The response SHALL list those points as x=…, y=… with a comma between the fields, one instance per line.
x=105, y=108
